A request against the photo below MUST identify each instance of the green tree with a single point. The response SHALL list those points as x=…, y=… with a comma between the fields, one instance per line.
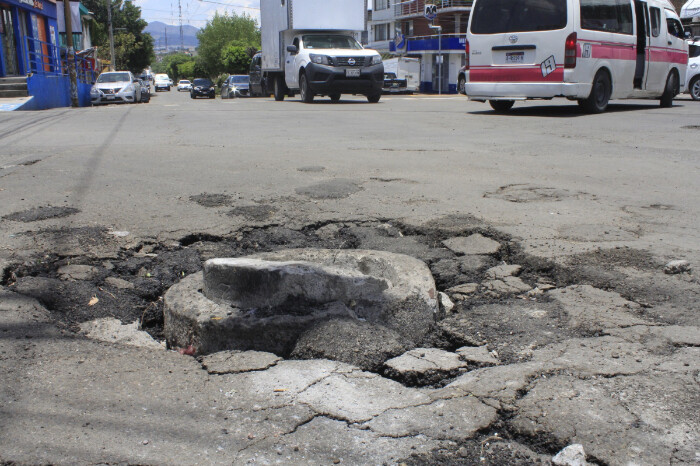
x=133, y=48
x=221, y=32
x=235, y=59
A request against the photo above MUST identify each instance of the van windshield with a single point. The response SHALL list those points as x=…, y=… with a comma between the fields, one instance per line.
x=502, y=16
x=330, y=41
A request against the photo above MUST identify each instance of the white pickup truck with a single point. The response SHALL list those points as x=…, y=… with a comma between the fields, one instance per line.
x=309, y=47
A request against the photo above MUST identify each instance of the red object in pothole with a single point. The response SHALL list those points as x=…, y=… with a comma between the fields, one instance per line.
x=189, y=351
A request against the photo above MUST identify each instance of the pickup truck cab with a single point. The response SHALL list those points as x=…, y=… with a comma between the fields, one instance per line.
x=331, y=64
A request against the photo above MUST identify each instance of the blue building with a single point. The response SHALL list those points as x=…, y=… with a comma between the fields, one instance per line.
x=32, y=64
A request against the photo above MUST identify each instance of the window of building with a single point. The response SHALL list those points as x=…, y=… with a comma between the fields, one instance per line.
x=655, y=14
x=381, y=32
x=607, y=16
x=381, y=4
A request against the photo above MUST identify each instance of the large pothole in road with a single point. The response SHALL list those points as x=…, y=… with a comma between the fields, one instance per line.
x=267, y=302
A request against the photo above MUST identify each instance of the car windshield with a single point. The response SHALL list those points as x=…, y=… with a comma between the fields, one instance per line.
x=503, y=16
x=203, y=83
x=330, y=41
x=113, y=78
x=184, y=81
x=239, y=79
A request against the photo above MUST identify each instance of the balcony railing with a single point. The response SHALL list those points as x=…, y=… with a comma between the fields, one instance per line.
x=417, y=7
x=47, y=59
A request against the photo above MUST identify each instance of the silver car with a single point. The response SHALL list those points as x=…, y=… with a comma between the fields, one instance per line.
x=115, y=86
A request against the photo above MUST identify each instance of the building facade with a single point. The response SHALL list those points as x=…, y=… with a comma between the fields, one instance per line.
x=400, y=27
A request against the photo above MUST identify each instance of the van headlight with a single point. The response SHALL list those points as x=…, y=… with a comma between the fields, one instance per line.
x=376, y=60
x=319, y=59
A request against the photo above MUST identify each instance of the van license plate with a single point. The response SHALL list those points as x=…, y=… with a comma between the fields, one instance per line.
x=515, y=57
x=352, y=73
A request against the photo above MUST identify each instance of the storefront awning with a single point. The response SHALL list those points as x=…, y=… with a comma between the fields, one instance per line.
x=691, y=9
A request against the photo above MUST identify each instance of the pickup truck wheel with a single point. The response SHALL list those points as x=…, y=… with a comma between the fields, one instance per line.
x=278, y=89
x=335, y=97
x=307, y=95
x=374, y=98
x=501, y=106
x=460, y=85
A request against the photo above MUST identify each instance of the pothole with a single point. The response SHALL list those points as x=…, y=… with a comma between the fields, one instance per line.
x=41, y=213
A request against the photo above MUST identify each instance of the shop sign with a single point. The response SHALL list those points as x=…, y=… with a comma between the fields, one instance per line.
x=38, y=4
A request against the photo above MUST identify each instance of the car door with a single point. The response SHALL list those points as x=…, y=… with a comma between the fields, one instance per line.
x=676, y=42
x=290, y=73
x=658, y=50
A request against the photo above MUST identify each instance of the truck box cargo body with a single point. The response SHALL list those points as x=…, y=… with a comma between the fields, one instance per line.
x=309, y=46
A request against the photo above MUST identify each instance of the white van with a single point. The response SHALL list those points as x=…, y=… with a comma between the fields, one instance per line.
x=585, y=50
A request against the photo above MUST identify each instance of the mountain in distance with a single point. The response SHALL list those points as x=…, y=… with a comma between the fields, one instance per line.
x=158, y=30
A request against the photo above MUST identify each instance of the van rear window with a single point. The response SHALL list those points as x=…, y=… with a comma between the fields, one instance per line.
x=500, y=16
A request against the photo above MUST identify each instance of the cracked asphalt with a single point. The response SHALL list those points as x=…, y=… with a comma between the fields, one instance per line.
x=588, y=342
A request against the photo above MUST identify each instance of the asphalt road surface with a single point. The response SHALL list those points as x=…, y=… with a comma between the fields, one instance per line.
x=603, y=352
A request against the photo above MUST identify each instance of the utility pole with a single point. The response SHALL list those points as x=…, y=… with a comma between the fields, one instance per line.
x=182, y=37
x=70, y=55
x=439, y=58
x=111, y=36
x=166, y=38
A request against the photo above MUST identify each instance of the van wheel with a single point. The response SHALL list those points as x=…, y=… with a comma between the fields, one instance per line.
x=278, y=88
x=307, y=95
x=669, y=91
x=335, y=97
x=374, y=98
x=694, y=88
x=460, y=85
x=599, y=97
x=501, y=106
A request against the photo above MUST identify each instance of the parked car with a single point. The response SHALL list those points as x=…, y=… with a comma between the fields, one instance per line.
x=394, y=85
x=145, y=91
x=203, y=87
x=115, y=86
x=237, y=85
x=161, y=82
x=692, y=77
x=146, y=82
x=258, y=86
x=184, y=85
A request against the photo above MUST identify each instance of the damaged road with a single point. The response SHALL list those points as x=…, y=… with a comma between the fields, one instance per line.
x=562, y=319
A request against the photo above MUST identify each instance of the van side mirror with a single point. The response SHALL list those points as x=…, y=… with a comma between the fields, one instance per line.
x=292, y=49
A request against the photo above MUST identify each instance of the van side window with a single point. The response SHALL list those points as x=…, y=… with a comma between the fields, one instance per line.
x=607, y=16
x=655, y=14
x=674, y=27
x=694, y=51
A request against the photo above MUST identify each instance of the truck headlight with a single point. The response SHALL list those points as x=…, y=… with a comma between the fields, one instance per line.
x=376, y=60
x=319, y=59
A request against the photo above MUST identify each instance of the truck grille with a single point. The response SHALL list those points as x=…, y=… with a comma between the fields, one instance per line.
x=349, y=61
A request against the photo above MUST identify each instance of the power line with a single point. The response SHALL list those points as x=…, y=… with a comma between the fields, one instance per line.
x=231, y=4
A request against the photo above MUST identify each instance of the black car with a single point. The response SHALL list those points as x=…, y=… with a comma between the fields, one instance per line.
x=203, y=87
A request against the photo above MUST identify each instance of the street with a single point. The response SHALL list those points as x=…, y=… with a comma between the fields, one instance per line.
x=601, y=346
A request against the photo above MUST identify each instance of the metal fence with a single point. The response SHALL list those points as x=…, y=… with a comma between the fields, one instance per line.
x=417, y=7
x=48, y=59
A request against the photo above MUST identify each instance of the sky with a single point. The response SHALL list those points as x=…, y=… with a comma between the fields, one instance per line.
x=194, y=12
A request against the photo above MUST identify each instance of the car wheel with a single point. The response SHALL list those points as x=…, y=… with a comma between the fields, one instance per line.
x=335, y=97
x=374, y=98
x=307, y=96
x=599, y=97
x=501, y=106
x=694, y=87
x=278, y=88
x=669, y=91
x=460, y=85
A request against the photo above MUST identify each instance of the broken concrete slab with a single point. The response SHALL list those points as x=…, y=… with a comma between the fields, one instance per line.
x=475, y=244
x=446, y=304
x=506, y=285
x=677, y=266
x=267, y=301
x=78, y=272
x=676, y=335
x=424, y=366
x=477, y=355
x=233, y=362
x=119, y=283
x=573, y=455
x=455, y=419
x=462, y=292
x=592, y=309
x=503, y=271
x=361, y=344
x=111, y=330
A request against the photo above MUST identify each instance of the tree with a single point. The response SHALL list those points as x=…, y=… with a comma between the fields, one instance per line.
x=235, y=59
x=220, y=33
x=133, y=48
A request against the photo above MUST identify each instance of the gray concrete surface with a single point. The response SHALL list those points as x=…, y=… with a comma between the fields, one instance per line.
x=592, y=206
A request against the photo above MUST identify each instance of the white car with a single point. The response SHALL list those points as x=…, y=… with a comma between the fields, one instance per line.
x=692, y=76
x=115, y=86
x=162, y=83
x=184, y=85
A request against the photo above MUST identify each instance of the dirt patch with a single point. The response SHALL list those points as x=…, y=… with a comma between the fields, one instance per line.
x=212, y=200
x=691, y=127
x=532, y=193
x=332, y=189
x=41, y=213
x=256, y=213
x=311, y=169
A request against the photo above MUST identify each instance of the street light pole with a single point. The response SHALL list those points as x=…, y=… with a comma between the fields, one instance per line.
x=439, y=30
x=70, y=54
x=111, y=36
